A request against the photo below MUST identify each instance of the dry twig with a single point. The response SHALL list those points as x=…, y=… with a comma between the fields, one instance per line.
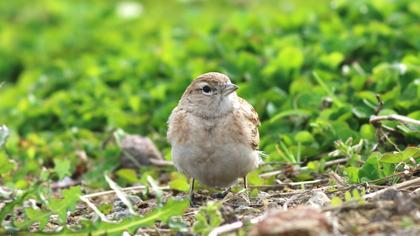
x=85, y=198
x=161, y=163
x=395, y=117
x=120, y=194
x=410, y=183
x=382, y=131
x=95, y=209
x=234, y=226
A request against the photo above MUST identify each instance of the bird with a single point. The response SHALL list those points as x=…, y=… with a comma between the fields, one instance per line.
x=213, y=133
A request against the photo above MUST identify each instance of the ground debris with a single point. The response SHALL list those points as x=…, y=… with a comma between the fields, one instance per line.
x=303, y=220
x=138, y=151
x=290, y=211
x=392, y=212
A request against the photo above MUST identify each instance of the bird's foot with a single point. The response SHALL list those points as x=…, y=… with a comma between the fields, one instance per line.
x=194, y=203
x=220, y=195
x=196, y=200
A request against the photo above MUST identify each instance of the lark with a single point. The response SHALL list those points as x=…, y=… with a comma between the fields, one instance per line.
x=214, y=133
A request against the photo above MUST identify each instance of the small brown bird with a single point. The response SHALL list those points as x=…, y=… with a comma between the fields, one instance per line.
x=214, y=133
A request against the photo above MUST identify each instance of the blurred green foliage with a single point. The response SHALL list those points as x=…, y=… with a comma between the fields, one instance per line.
x=76, y=70
x=72, y=72
x=208, y=218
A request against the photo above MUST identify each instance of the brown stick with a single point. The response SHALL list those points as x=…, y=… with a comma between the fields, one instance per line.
x=160, y=163
x=396, y=117
x=85, y=199
x=234, y=226
x=380, y=104
x=403, y=185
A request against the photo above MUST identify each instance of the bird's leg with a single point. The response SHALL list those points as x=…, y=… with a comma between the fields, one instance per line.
x=192, y=192
x=246, y=187
x=246, y=190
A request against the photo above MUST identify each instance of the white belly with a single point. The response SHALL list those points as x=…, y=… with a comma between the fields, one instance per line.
x=215, y=166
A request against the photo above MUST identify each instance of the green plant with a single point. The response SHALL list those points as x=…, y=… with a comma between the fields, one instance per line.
x=208, y=218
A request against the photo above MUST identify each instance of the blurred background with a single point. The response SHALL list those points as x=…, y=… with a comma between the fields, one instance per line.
x=72, y=72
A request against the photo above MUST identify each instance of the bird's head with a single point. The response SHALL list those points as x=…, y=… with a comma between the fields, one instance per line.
x=210, y=95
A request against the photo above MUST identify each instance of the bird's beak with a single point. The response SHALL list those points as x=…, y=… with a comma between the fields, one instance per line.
x=229, y=88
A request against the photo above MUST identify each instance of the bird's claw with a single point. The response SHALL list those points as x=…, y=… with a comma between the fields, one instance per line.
x=220, y=195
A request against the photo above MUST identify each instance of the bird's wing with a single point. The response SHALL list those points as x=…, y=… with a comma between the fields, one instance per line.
x=177, y=126
x=252, y=122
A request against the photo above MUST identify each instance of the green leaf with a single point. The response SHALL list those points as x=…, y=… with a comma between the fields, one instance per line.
x=391, y=157
x=314, y=166
x=170, y=209
x=62, y=168
x=105, y=208
x=414, y=115
x=208, y=218
x=352, y=174
x=304, y=137
x=179, y=182
x=8, y=208
x=178, y=224
x=283, y=114
x=6, y=165
x=68, y=203
x=336, y=201
x=254, y=178
x=327, y=89
x=362, y=112
x=410, y=152
x=371, y=168
x=128, y=175
x=397, y=157
x=347, y=196
x=332, y=60
x=40, y=216
x=343, y=131
x=290, y=58
x=387, y=169
x=367, y=132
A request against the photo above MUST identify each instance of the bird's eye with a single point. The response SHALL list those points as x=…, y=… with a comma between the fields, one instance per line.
x=206, y=89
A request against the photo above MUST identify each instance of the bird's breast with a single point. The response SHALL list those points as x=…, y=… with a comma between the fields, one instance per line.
x=214, y=152
x=210, y=133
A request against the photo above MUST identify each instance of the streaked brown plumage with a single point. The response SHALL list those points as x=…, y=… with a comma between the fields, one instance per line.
x=213, y=132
